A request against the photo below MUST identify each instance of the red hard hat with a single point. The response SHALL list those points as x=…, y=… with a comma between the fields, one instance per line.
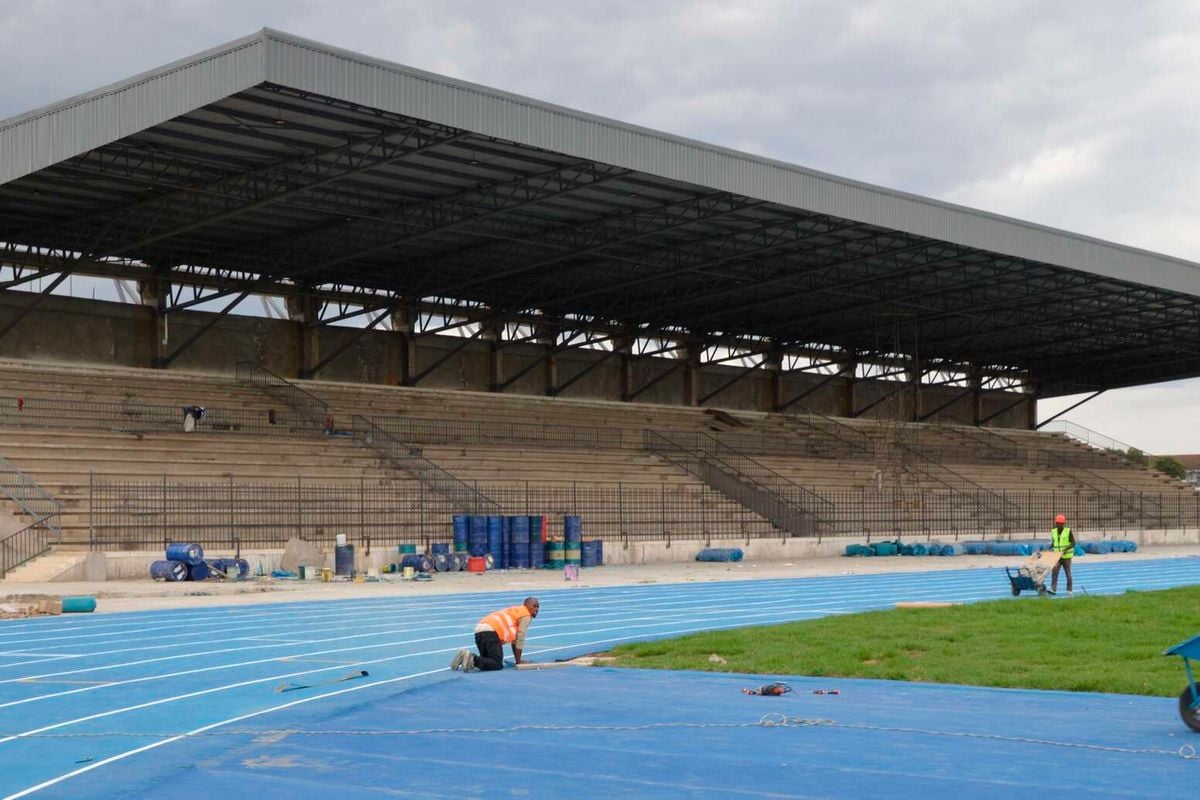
x=1060, y=520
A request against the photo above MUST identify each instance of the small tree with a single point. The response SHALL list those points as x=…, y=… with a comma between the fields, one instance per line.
x=1170, y=466
x=1136, y=456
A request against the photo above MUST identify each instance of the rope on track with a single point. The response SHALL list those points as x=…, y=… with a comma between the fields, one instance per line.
x=1187, y=751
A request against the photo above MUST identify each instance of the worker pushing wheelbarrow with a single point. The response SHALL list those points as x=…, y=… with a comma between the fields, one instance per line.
x=1032, y=574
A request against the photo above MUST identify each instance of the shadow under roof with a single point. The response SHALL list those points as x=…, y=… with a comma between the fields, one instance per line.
x=291, y=160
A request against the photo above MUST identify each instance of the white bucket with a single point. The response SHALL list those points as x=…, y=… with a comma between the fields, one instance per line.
x=341, y=540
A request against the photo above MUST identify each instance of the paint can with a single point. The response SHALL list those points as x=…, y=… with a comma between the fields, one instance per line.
x=188, y=553
x=476, y=564
x=409, y=572
x=326, y=574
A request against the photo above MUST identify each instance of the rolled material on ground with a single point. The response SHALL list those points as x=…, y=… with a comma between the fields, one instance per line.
x=1099, y=548
x=955, y=549
x=169, y=570
x=888, y=549
x=82, y=604
x=720, y=554
x=974, y=548
x=925, y=604
x=859, y=550
x=187, y=553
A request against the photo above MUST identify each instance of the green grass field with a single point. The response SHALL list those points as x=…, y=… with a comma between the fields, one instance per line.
x=1084, y=644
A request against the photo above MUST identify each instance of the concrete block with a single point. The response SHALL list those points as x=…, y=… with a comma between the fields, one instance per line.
x=95, y=567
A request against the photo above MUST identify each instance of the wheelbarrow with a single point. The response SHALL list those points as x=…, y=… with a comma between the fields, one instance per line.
x=1189, y=700
x=1032, y=574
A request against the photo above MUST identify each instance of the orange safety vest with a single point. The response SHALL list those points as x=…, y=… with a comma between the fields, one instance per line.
x=504, y=623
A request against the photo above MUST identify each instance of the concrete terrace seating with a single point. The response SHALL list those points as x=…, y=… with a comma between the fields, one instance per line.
x=623, y=487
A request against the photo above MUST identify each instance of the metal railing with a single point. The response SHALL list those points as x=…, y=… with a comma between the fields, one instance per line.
x=137, y=515
x=1088, y=436
x=464, y=496
x=306, y=404
x=416, y=430
x=127, y=417
x=740, y=478
x=39, y=506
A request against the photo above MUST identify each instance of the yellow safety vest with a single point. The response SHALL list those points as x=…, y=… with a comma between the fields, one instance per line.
x=1061, y=541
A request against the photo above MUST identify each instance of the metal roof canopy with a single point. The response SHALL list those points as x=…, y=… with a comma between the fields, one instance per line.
x=276, y=162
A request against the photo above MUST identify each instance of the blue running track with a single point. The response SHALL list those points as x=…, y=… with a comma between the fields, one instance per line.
x=184, y=703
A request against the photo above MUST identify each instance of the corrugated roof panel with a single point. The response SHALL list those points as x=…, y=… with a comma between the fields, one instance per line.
x=55, y=133
x=49, y=135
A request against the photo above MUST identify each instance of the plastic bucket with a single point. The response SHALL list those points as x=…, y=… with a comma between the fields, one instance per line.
x=188, y=553
x=476, y=564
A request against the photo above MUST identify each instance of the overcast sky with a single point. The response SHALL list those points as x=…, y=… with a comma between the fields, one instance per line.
x=1078, y=115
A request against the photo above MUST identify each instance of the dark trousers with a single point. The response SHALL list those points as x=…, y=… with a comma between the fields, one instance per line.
x=491, y=652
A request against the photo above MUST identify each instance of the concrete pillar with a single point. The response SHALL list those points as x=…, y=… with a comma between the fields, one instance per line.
x=493, y=335
x=1031, y=419
x=691, y=373
x=849, y=398
x=547, y=336
x=976, y=380
x=774, y=368
x=154, y=294
x=305, y=310
x=915, y=370
x=402, y=318
x=624, y=345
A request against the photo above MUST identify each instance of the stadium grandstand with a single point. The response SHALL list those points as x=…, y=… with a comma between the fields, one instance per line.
x=397, y=296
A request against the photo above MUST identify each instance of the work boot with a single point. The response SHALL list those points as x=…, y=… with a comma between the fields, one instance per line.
x=459, y=659
x=469, y=663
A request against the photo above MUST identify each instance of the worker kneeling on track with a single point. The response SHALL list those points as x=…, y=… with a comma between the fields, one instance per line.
x=497, y=629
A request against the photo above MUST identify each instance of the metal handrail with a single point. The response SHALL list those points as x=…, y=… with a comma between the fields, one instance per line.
x=36, y=502
x=408, y=458
x=1089, y=437
x=303, y=402
x=30, y=542
x=742, y=479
